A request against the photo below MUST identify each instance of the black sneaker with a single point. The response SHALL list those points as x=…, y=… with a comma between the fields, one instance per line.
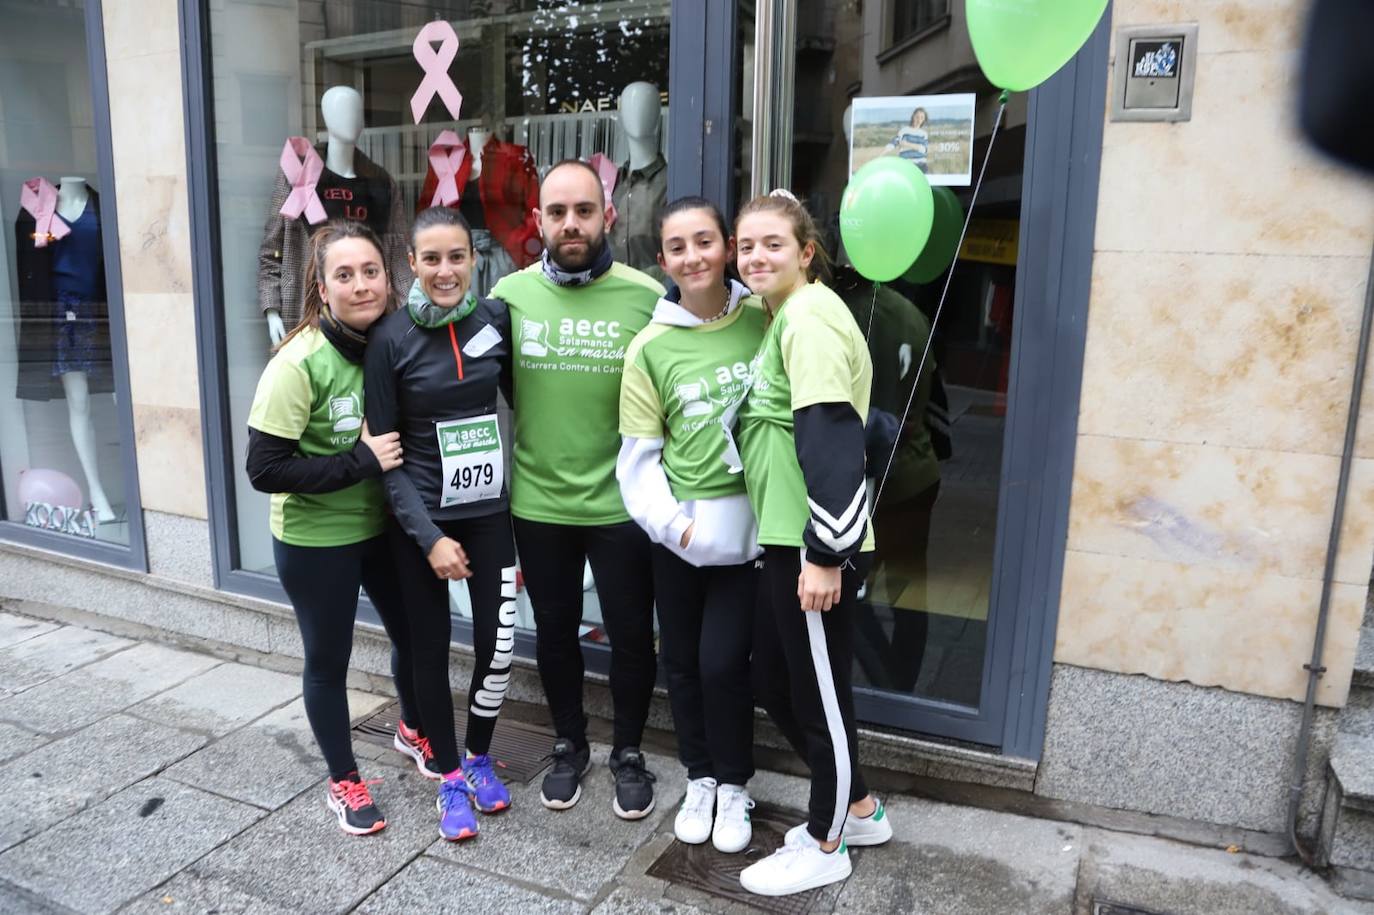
x=352, y=804
x=634, y=785
x=562, y=788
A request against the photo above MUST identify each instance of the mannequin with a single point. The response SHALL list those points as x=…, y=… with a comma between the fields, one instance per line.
x=641, y=188
x=350, y=187
x=498, y=188
x=64, y=330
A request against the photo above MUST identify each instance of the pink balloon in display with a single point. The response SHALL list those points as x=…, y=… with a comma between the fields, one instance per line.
x=50, y=486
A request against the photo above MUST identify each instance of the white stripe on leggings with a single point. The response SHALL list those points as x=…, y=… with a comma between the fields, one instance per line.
x=820, y=660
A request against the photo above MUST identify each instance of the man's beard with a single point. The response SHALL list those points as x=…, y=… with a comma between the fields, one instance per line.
x=580, y=262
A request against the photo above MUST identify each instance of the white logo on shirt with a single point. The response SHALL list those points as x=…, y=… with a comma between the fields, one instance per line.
x=346, y=412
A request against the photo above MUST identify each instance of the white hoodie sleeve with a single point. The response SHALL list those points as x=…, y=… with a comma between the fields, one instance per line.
x=644, y=487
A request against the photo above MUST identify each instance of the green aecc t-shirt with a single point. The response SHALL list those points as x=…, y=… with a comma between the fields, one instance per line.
x=678, y=381
x=310, y=393
x=812, y=353
x=570, y=345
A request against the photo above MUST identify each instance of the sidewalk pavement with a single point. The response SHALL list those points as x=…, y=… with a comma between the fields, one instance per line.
x=138, y=777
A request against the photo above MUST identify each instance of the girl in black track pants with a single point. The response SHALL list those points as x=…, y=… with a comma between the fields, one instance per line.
x=434, y=369
x=309, y=446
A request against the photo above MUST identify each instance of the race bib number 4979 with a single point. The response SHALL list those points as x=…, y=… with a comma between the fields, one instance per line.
x=471, y=453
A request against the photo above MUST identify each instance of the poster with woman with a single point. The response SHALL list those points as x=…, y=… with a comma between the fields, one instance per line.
x=933, y=132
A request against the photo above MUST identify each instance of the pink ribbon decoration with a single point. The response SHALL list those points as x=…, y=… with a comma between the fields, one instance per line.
x=39, y=198
x=446, y=157
x=302, y=166
x=607, y=172
x=436, y=64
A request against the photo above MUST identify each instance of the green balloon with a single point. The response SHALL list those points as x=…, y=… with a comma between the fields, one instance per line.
x=885, y=217
x=1022, y=43
x=943, y=244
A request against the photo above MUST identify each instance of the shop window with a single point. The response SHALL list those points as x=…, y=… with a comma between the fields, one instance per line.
x=540, y=81
x=65, y=457
x=924, y=624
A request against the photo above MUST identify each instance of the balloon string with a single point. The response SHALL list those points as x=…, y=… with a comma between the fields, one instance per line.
x=921, y=367
x=872, y=308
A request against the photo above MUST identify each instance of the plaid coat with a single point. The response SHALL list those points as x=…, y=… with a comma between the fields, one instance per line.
x=285, y=249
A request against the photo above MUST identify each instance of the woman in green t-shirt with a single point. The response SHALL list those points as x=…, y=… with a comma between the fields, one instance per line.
x=683, y=373
x=801, y=440
x=309, y=446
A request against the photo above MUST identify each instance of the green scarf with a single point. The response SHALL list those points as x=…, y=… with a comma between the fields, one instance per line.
x=426, y=314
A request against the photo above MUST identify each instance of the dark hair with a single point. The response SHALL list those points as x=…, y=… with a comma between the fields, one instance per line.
x=582, y=164
x=921, y=111
x=803, y=226
x=437, y=216
x=682, y=205
x=320, y=243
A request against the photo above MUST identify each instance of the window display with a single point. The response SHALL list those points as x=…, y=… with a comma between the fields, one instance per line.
x=381, y=109
x=61, y=456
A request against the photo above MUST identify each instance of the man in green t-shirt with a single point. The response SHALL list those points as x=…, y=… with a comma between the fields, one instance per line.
x=572, y=316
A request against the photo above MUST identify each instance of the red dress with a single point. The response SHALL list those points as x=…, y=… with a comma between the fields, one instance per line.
x=509, y=188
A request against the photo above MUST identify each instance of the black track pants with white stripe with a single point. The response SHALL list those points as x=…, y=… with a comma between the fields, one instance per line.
x=490, y=550
x=801, y=671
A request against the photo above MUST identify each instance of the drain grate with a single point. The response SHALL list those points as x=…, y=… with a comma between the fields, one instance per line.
x=519, y=749
x=1116, y=908
x=702, y=868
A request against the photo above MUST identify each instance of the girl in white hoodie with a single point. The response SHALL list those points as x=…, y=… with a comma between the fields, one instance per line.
x=685, y=375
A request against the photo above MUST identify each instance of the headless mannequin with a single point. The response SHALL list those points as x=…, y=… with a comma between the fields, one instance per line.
x=72, y=196
x=342, y=107
x=477, y=139
x=639, y=118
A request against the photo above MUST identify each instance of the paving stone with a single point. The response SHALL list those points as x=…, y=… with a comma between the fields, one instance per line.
x=625, y=901
x=124, y=846
x=442, y=888
x=84, y=696
x=221, y=699
x=578, y=850
x=15, y=900
x=946, y=860
x=297, y=859
x=1162, y=876
x=57, y=780
x=16, y=741
x=15, y=628
x=187, y=894
x=51, y=654
x=269, y=761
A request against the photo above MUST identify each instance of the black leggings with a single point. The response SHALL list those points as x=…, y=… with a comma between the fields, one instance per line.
x=491, y=557
x=322, y=583
x=551, y=556
x=706, y=626
x=802, y=678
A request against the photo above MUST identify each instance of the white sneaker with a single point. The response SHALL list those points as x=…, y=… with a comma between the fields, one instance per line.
x=693, y=822
x=733, y=830
x=798, y=866
x=874, y=829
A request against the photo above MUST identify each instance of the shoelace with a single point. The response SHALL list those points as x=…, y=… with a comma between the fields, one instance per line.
x=479, y=770
x=421, y=743
x=736, y=803
x=355, y=794
x=633, y=771
x=699, y=799
x=450, y=788
x=562, y=756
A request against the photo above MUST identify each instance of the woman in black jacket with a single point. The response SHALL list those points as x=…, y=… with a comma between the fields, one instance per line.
x=433, y=371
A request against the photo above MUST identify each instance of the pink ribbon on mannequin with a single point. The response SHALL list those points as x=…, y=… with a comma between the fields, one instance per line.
x=605, y=170
x=446, y=157
x=436, y=64
x=302, y=167
x=39, y=198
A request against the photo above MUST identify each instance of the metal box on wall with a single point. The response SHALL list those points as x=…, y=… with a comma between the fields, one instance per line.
x=1154, y=72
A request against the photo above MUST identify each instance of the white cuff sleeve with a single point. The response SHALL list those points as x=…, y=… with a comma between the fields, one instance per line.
x=645, y=490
